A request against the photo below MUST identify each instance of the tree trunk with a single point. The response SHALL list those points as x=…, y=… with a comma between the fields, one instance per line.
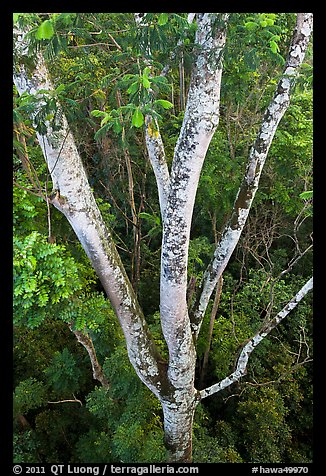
x=199, y=124
x=178, y=422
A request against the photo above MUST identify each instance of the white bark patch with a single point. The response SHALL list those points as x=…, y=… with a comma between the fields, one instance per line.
x=178, y=420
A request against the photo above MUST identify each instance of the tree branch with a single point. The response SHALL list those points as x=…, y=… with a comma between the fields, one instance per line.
x=241, y=366
x=74, y=198
x=156, y=155
x=199, y=124
x=256, y=161
x=69, y=401
x=87, y=342
x=154, y=145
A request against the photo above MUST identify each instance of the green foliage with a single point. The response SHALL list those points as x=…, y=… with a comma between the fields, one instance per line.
x=217, y=448
x=44, y=274
x=141, y=88
x=262, y=418
x=45, y=108
x=306, y=195
x=28, y=395
x=94, y=447
x=154, y=221
x=165, y=104
x=135, y=428
x=163, y=19
x=200, y=251
x=160, y=32
x=26, y=208
x=137, y=118
x=34, y=348
x=45, y=31
x=90, y=311
x=25, y=447
x=289, y=169
x=63, y=374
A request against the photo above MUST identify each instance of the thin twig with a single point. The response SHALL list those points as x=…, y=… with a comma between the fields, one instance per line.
x=65, y=401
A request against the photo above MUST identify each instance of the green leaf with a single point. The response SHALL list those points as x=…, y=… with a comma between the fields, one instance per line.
x=117, y=126
x=153, y=219
x=16, y=16
x=251, y=59
x=101, y=131
x=160, y=79
x=163, y=19
x=137, y=118
x=106, y=119
x=45, y=31
x=147, y=72
x=133, y=88
x=306, y=195
x=274, y=46
x=251, y=25
x=60, y=88
x=263, y=23
x=98, y=113
x=164, y=103
x=146, y=83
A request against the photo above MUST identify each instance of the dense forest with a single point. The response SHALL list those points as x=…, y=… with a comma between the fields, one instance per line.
x=144, y=129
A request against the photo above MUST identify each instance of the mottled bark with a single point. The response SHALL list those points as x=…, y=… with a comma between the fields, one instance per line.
x=156, y=155
x=200, y=122
x=178, y=422
x=257, y=157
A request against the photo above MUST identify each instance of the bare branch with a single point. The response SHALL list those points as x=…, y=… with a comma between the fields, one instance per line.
x=241, y=366
x=75, y=400
x=156, y=155
x=87, y=342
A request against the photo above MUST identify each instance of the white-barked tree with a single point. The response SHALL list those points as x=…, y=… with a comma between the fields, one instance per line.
x=171, y=381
